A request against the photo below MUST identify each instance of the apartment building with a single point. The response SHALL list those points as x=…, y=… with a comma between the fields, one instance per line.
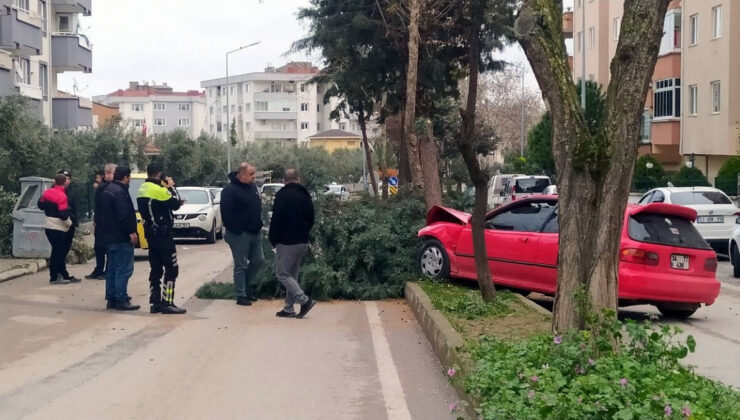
x=711, y=74
x=277, y=106
x=159, y=108
x=39, y=39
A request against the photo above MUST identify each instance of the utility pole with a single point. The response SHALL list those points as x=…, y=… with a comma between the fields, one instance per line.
x=228, y=118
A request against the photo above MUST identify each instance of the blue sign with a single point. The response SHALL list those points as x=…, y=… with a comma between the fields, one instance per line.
x=393, y=181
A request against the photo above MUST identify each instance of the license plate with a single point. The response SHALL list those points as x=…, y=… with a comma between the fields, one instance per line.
x=710, y=219
x=680, y=262
x=182, y=225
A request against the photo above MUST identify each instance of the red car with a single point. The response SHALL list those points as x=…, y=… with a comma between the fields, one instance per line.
x=663, y=259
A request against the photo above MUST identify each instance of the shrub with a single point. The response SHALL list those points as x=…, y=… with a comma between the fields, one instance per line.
x=645, y=179
x=7, y=202
x=690, y=177
x=577, y=375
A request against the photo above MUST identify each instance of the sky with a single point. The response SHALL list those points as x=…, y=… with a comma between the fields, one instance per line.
x=183, y=42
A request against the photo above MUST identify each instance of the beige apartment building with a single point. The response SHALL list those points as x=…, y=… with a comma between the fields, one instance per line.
x=699, y=51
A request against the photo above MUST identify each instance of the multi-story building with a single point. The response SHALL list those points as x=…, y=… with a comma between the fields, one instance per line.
x=159, y=108
x=40, y=39
x=699, y=54
x=277, y=106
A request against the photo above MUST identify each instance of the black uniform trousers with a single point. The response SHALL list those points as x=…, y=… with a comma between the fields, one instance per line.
x=162, y=261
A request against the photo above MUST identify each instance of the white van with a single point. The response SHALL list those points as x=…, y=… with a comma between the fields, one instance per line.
x=517, y=186
x=496, y=186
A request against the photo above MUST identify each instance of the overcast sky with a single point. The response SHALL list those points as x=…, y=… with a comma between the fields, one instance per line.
x=183, y=42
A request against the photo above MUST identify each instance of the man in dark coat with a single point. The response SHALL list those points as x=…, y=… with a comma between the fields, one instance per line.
x=292, y=220
x=241, y=212
x=101, y=181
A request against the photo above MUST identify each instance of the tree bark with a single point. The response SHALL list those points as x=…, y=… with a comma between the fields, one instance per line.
x=412, y=142
x=477, y=175
x=429, y=157
x=368, y=156
x=594, y=169
x=384, y=163
x=404, y=169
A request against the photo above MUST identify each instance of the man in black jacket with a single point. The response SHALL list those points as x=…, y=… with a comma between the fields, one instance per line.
x=156, y=203
x=101, y=181
x=117, y=232
x=241, y=211
x=292, y=220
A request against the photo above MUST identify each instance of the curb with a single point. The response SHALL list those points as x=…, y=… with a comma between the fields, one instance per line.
x=445, y=341
x=531, y=304
x=33, y=267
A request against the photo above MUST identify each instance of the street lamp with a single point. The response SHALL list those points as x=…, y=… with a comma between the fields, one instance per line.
x=228, y=118
x=649, y=165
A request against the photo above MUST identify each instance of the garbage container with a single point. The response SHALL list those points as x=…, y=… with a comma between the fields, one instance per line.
x=29, y=238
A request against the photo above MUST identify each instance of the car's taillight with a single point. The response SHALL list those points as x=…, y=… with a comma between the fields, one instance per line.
x=638, y=256
x=513, y=196
x=710, y=265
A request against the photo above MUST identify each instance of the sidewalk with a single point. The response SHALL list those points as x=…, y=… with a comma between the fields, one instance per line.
x=11, y=268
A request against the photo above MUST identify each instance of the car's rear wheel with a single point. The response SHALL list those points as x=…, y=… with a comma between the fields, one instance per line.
x=678, y=311
x=434, y=263
x=735, y=260
x=211, y=238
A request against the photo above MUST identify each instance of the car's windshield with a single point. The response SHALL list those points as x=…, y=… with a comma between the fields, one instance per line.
x=332, y=188
x=699, y=197
x=665, y=230
x=271, y=189
x=133, y=190
x=194, y=196
x=531, y=185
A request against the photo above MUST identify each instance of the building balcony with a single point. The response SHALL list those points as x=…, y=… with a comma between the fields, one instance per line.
x=29, y=91
x=275, y=96
x=73, y=6
x=20, y=31
x=276, y=134
x=6, y=60
x=71, y=52
x=283, y=115
x=71, y=112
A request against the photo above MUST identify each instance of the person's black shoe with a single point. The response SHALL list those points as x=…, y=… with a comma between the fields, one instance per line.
x=126, y=306
x=92, y=276
x=243, y=300
x=110, y=305
x=283, y=314
x=73, y=279
x=253, y=298
x=155, y=308
x=306, y=307
x=171, y=309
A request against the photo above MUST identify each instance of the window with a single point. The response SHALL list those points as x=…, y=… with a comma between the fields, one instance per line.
x=646, y=198
x=580, y=41
x=24, y=4
x=218, y=126
x=260, y=105
x=350, y=143
x=645, y=126
x=303, y=87
x=44, y=16
x=231, y=90
x=210, y=93
x=137, y=122
x=247, y=107
x=159, y=106
x=665, y=230
x=240, y=109
x=716, y=22
x=211, y=131
x=527, y=218
x=693, y=198
x=218, y=91
x=716, y=97
x=693, y=100
x=23, y=74
x=225, y=109
x=318, y=126
x=671, y=40
x=304, y=126
x=63, y=23
x=286, y=109
x=233, y=108
x=137, y=107
x=318, y=109
x=667, y=98
x=615, y=29
x=246, y=88
x=342, y=126
x=591, y=37
x=304, y=106
x=44, y=79
x=354, y=126
x=160, y=122
x=276, y=87
x=183, y=107
x=694, y=29
x=247, y=126
x=210, y=110
x=658, y=197
x=183, y=122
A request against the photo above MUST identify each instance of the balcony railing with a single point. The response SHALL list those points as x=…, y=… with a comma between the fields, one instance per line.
x=6, y=60
x=71, y=52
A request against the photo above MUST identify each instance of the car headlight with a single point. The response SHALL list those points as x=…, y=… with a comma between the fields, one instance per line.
x=202, y=218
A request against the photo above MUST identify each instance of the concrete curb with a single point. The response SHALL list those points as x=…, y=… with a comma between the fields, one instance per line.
x=33, y=266
x=527, y=302
x=445, y=341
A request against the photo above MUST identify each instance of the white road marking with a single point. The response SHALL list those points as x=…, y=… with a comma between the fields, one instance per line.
x=395, y=400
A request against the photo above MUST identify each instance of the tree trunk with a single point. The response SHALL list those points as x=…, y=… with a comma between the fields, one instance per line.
x=478, y=176
x=384, y=163
x=594, y=169
x=368, y=156
x=404, y=169
x=412, y=143
x=429, y=157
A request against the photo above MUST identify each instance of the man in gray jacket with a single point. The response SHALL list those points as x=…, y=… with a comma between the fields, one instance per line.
x=292, y=220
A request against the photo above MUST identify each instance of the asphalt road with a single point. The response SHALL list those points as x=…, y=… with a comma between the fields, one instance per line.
x=62, y=355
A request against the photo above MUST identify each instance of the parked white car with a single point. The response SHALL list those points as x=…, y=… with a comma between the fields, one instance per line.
x=513, y=187
x=716, y=212
x=338, y=190
x=199, y=216
x=271, y=189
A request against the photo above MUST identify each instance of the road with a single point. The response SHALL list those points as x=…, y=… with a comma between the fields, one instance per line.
x=62, y=355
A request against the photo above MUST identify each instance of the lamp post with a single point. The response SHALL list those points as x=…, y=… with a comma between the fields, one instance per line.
x=228, y=118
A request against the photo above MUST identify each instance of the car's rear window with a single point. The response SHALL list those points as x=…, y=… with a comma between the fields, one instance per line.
x=531, y=185
x=699, y=197
x=665, y=230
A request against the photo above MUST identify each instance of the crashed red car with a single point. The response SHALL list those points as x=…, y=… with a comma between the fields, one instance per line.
x=663, y=259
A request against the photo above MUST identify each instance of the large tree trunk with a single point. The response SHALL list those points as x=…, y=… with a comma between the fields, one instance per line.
x=384, y=163
x=594, y=169
x=368, y=156
x=477, y=175
x=429, y=156
x=404, y=169
x=412, y=143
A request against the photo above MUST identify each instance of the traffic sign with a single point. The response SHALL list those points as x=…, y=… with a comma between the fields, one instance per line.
x=392, y=190
x=393, y=181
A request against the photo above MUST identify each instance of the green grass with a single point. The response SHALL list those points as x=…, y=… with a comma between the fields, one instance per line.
x=465, y=302
x=216, y=290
